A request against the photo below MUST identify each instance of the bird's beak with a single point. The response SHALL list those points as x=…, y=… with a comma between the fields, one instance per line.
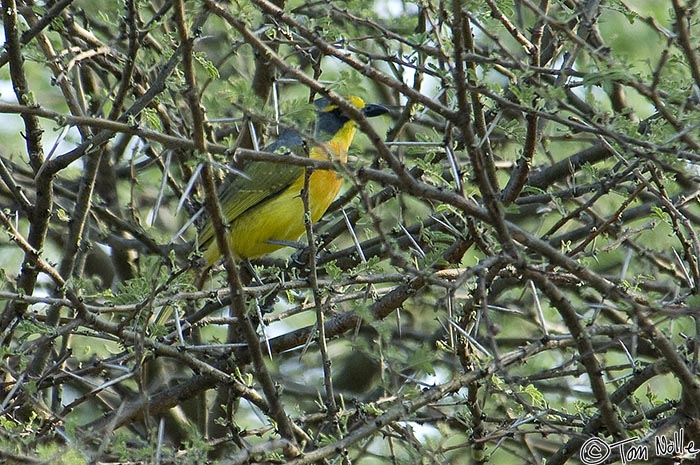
x=372, y=109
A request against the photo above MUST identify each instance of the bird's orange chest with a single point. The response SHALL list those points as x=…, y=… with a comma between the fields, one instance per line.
x=323, y=189
x=324, y=185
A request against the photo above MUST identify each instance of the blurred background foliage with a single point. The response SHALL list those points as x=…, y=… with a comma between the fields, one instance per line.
x=511, y=268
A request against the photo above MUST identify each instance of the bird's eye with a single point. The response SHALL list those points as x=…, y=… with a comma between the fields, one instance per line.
x=340, y=115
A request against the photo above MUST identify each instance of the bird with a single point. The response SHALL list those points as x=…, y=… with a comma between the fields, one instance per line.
x=263, y=208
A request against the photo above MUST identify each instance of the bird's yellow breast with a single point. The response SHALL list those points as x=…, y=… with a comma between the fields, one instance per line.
x=260, y=230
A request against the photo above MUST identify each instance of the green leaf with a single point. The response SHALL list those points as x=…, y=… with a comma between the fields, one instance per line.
x=208, y=66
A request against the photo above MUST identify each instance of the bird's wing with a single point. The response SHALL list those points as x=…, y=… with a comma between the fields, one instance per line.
x=262, y=180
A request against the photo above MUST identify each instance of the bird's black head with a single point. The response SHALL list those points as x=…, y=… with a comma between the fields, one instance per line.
x=331, y=118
